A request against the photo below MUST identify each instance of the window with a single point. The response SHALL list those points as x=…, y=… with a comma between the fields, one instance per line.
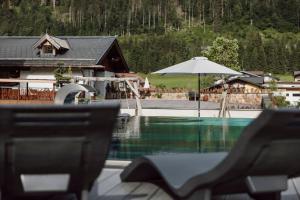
x=47, y=49
x=296, y=95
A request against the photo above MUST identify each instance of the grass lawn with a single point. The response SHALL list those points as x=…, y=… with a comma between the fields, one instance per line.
x=285, y=77
x=189, y=82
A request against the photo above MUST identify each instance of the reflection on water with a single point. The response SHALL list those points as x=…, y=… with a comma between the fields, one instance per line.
x=137, y=136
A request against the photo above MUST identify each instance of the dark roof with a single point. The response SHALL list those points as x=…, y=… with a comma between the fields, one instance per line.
x=250, y=73
x=84, y=51
x=257, y=73
x=253, y=80
x=256, y=81
x=296, y=73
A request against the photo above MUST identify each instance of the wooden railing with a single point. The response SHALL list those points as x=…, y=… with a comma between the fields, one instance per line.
x=23, y=94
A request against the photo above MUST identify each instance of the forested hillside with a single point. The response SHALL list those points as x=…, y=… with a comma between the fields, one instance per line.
x=157, y=33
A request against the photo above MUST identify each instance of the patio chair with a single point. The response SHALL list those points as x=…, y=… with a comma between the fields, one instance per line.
x=259, y=164
x=53, y=150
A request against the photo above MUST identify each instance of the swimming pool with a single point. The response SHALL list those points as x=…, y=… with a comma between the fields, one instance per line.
x=137, y=136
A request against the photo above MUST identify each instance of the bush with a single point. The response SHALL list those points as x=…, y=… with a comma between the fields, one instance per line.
x=280, y=102
x=158, y=95
x=161, y=86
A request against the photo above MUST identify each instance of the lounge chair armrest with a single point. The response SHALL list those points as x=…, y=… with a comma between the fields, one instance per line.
x=266, y=184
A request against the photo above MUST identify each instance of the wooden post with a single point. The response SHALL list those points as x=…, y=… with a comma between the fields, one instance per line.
x=19, y=92
x=224, y=105
x=53, y=92
x=199, y=86
x=138, y=102
x=27, y=89
x=135, y=90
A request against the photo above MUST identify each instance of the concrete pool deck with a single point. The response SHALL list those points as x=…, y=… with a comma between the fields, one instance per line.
x=181, y=108
x=109, y=186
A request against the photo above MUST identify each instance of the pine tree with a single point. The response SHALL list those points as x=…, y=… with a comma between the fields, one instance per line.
x=271, y=57
x=295, y=57
x=256, y=57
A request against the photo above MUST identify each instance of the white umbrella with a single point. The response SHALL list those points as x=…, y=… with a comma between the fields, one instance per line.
x=147, y=84
x=200, y=66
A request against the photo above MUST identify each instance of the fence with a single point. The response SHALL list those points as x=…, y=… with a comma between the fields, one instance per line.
x=24, y=94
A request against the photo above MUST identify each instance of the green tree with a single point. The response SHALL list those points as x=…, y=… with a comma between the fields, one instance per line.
x=165, y=32
x=62, y=74
x=255, y=58
x=271, y=56
x=225, y=52
x=273, y=86
x=295, y=56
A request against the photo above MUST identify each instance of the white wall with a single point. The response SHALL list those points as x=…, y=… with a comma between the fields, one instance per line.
x=292, y=96
x=47, y=74
x=43, y=74
x=101, y=85
x=37, y=74
x=88, y=73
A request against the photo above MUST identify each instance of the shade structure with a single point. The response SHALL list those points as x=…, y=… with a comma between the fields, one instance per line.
x=200, y=66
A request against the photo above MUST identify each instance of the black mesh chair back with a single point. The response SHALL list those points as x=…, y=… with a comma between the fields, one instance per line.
x=47, y=150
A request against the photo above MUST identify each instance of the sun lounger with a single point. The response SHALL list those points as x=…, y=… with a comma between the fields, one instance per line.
x=259, y=164
x=53, y=150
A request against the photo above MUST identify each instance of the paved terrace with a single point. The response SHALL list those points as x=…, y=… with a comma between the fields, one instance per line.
x=109, y=187
x=182, y=108
x=172, y=104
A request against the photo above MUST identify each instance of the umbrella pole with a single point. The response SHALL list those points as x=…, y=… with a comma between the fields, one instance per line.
x=199, y=127
x=199, y=95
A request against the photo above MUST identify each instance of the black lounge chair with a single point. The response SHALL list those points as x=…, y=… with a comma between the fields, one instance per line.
x=48, y=151
x=259, y=164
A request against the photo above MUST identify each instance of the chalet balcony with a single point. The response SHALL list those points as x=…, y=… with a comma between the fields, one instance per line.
x=17, y=94
x=23, y=94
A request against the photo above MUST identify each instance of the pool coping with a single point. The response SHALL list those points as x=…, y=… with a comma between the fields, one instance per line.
x=192, y=113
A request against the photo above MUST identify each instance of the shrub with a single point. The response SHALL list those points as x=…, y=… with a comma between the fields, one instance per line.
x=280, y=102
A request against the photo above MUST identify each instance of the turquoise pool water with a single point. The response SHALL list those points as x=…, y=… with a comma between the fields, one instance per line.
x=137, y=136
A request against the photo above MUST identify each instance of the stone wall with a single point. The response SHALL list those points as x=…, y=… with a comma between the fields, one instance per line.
x=253, y=100
x=248, y=100
x=169, y=95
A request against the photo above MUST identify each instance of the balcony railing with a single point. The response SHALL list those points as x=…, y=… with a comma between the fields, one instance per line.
x=27, y=94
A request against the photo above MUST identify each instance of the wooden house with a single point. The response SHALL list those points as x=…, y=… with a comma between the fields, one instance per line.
x=240, y=85
x=29, y=62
